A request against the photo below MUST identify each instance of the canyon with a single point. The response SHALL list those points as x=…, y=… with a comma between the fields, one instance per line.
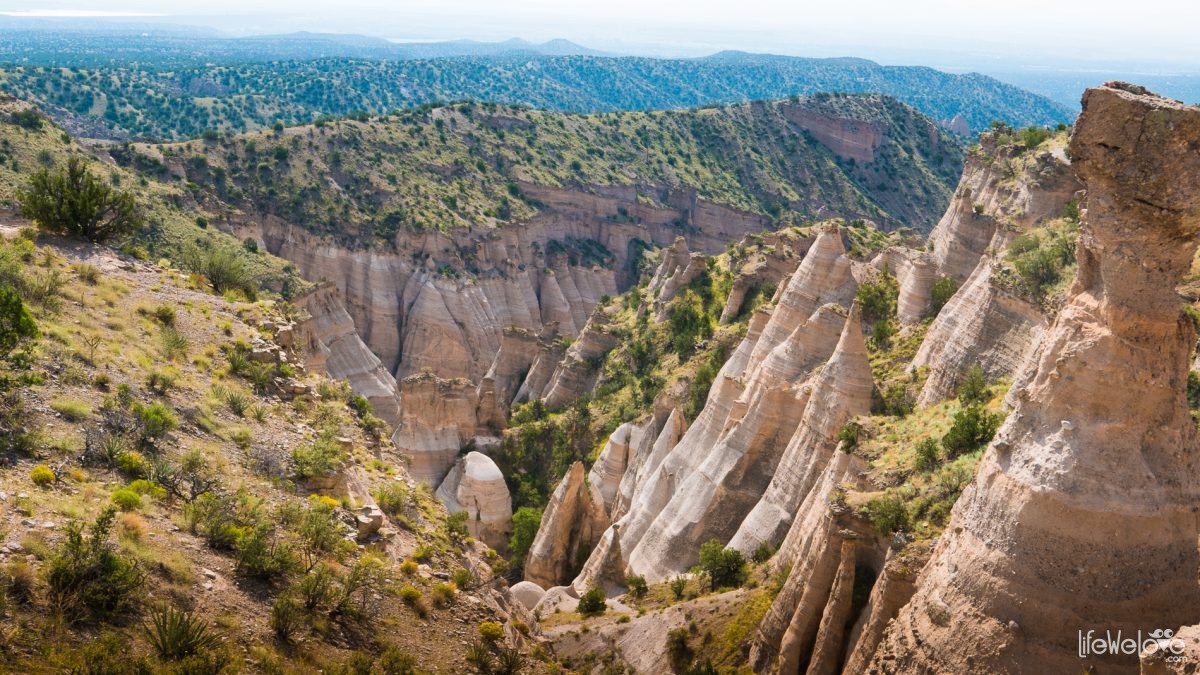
x=765, y=464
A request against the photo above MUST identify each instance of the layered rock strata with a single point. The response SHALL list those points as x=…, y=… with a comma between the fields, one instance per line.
x=1082, y=515
x=703, y=486
x=982, y=324
x=476, y=486
x=327, y=338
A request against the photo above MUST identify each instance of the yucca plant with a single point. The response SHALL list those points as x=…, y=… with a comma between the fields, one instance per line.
x=508, y=662
x=177, y=634
x=480, y=657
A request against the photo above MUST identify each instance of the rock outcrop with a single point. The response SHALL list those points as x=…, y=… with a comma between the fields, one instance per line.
x=703, y=486
x=840, y=391
x=776, y=258
x=1003, y=190
x=437, y=419
x=577, y=371
x=327, y=338
x=1082, y=514
x=982, y=324
x=475, y=485
x=571, y=521
x=677, y=269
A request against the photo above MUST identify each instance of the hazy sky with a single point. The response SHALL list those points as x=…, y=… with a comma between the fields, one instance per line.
x=1036, y=31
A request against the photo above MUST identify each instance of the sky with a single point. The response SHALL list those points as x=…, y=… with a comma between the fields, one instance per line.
x=1153, y=34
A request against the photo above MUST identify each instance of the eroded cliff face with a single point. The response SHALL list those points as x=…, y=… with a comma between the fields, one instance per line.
x=704, y=485
x=1003, y=191
x=1082, y=515
x=441, y=304
x=325, y=334
x=475, y=485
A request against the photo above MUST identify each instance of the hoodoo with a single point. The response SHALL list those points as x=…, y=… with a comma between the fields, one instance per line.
x=1083, y=514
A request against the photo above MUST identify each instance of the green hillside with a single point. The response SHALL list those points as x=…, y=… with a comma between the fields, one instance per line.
x=143, y=100
x=463, y=165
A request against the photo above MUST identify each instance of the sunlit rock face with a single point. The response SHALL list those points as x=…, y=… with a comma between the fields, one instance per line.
x=476, y=486
x=1082, y=514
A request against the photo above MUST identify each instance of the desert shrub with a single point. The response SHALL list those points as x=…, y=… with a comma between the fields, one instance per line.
x=41, y=475
x=592, y=602
x=456, y=525
x=224, y=267
x=723, y=566
x=442, y=594
x=319, y=532
x=286, y=617
x=423, y=553
x=1039, y=261
x=363, y=584
x=237, y=401
x=412, y=597
x=173, y=343
x=156, y=420
x=28, y=119
x=943, y=289
x=320, y=458
x=164, y=314
x=887, y=513
x=73, y=201
x=637, y=585
x=762, y=553
x=525, y=523
x=261, y=554
x=974, y=386
x=19, y=580
x=160, y=382
x=126, y=499
x=132, y=527
x=130, y=463
x=395, y=661
x=688, y=323
x=409, y=568
x=393, y=498
x=972, y=428
x=479, y=656
x=491, y=631
x=877, y=298
x=927, y=456
x=86, y=574
x=897, y=400
x=679, y=652
x=319, y=587
x=1032, y=136
x=848, y=434
x=678, y=586
x=461, y=578
x=177, y=634
x=16, y=325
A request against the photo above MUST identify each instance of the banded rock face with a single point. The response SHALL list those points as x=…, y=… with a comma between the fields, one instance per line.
x=981, y=324
x=331, y=343
x=840, y=392
x=475, y=485
x=703, y=486
x=1001, y=192
x=1082, y=514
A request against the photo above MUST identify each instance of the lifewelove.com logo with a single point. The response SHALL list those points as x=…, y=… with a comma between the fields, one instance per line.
x=1108, y=643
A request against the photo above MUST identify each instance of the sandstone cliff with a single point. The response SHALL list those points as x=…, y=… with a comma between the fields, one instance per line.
x=706, y=484
x=1081, y=515
x=327, y=338
x=476, y=486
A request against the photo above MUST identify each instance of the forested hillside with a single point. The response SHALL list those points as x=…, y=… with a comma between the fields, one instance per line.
x=141, y=100
x=439, y=168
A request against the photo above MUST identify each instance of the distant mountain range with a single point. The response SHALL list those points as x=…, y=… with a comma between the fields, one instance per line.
x=72, y=43
x=169, y=84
